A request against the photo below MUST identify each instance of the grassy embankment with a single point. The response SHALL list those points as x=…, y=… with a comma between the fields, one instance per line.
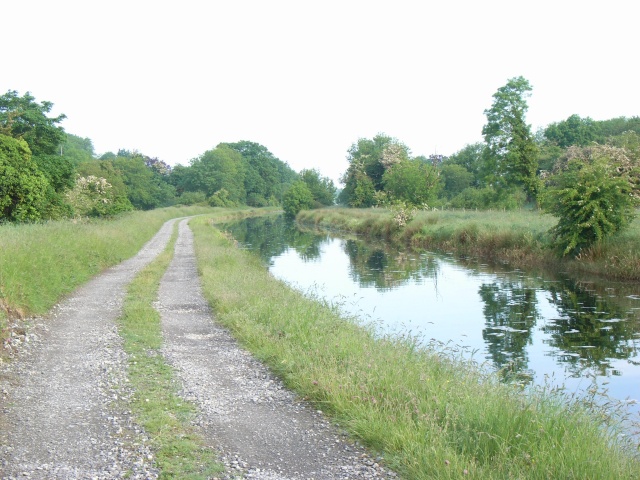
x=41, y=263
x=431, y=416
x=519, y=238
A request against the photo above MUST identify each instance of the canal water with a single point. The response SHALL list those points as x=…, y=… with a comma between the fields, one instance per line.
x=534, y=329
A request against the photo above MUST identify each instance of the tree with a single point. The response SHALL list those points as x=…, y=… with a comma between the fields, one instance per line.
x=368, y=161
x=412, y=181
x=510, y=156
x=265, y=175
x=455, y=179
x=572, y=131
x=297, y=198
x=322, y=188
x=146, y=188
x=78, y=149
x=222, y=167
x=593, y=193
x=23, y=117
x=23, y=188
x=470, y=157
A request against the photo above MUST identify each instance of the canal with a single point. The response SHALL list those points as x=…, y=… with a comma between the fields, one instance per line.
x=533, y=329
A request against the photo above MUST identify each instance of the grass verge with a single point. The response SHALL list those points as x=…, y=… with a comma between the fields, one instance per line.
x=431, y=416
x=519, y=238
x=179, y=451
x=41, y=263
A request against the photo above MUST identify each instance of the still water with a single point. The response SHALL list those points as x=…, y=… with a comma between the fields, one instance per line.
x=535, y=329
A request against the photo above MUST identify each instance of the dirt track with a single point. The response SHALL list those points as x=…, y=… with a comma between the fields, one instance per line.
x=64, y=400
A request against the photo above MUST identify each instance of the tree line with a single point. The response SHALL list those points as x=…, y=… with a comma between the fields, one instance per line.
x=586, y=172
x=47, y=173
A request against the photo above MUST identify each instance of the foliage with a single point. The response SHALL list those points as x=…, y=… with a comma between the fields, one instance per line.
x=23, y=188
x=116, y=197
x=221, y=199
x=322, y=188
x=412, y=181
x=572, y=131
x=455, y=178
x=470, y=158
x=216, y=169
x=593, y=193
x=77, y=149
x=94, y=197
x=266, y=177
x=23, y=117
x=191, y=198
x=510, y=157
x=297, y=198
x=147, y=188
x=368, y=161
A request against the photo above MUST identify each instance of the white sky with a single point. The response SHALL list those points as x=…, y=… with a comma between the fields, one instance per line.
x=306, y=79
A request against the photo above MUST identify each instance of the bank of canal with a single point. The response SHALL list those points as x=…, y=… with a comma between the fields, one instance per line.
x=534, y=329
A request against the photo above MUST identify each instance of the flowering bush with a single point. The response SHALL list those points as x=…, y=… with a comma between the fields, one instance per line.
x=93, y=196
x=594, y=192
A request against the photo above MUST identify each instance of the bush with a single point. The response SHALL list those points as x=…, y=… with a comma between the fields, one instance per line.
x=297, y=198
x=23, y=188
x=593, y=192
x=191, y=198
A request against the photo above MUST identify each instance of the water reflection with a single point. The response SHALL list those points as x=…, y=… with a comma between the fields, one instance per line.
x=591, y=329
x=371, y=266
x=530, y=327
x=510, y=312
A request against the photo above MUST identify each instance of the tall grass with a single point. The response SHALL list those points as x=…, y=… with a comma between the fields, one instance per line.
x=520, y=238
x=430, y=416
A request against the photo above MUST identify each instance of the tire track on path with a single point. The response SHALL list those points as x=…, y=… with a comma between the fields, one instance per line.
x=262, y=430
x=61, y=410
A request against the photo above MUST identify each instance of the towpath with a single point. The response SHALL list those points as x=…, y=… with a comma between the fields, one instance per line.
x=64, y=410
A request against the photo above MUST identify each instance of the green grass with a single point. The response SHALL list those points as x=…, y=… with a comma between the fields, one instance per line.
x=429, y=415
x=179, y=451
x=519, y=238
x=41, y=263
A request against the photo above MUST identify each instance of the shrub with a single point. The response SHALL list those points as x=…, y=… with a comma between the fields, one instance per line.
x=593, y=192
x=297, y=198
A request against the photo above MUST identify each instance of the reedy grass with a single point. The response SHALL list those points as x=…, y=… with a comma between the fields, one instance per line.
x=179, y=451
x=430, y=415
x=519, y=238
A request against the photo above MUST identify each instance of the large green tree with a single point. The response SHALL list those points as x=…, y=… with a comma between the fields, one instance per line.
x=298, y=197
x=412, y=181
x=146, y=187
x=78, y=149
x=322, y=188
x=23, y=188
x=266, y=177
x=510, y=157
x=219, y=169
x=23, y=117
x=368, y=160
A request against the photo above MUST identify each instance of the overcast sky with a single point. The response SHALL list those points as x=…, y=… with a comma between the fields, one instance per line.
x=306, y=79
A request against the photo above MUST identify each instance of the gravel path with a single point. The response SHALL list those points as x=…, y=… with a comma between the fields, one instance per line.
x=261, y=429
x=63, y=402
x=63, y=412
